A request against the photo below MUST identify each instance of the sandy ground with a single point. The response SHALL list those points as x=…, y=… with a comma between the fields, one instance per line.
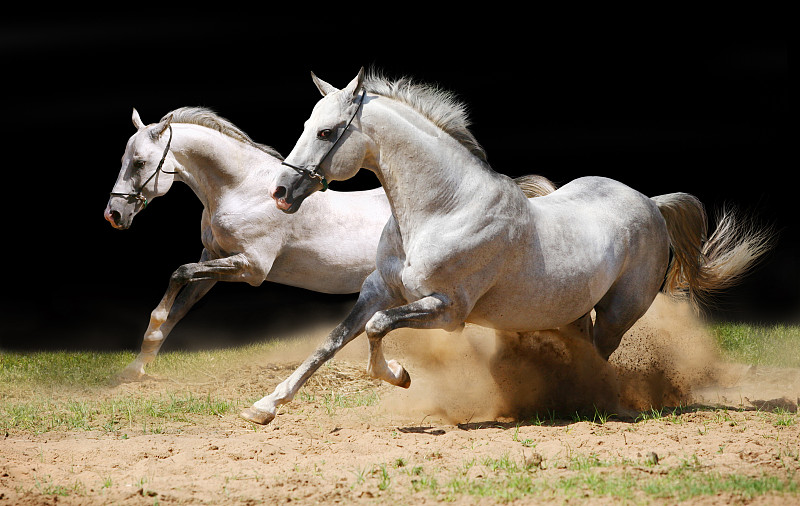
x=472, y=404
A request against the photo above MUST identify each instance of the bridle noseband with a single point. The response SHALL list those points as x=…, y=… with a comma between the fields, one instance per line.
x=138, y=195
x=314, y=173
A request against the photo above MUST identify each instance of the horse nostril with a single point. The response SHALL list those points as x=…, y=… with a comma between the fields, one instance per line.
x=279, y=192
x=112, y=217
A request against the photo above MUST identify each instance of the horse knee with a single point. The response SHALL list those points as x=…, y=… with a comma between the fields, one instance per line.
x=378, y=325
x=182, y=275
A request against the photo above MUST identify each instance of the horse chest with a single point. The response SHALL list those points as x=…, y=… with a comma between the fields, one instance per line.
x=439, y=259
x=230, y=233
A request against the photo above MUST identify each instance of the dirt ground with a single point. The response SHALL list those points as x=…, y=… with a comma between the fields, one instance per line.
x=474, y=406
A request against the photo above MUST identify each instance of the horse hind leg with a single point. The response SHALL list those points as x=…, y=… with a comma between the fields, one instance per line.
x=635, y=288
x=582, y=328
x=616, y=313
x=187, y=285
x=157, y=332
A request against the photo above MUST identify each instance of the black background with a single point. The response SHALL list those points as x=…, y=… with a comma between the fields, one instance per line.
x=663, y=110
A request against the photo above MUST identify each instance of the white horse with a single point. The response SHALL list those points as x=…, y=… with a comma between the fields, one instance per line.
x=329, y=247
x=465, y=245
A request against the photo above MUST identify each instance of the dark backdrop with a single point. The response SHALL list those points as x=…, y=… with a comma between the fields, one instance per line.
x=660, y=110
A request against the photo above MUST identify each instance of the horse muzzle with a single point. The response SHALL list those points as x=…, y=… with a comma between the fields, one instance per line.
x=112, y=217
x=292, y=188
x=120, y=217
x=286, y=200
x=282, y=199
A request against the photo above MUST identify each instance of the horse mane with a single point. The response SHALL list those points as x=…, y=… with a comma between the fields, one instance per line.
x=439, y=106
x=205, y=117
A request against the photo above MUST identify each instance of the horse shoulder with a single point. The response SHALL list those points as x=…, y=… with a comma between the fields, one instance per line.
x=465, y=250
x=208, y=238
x=390, y=256
x=239, y=227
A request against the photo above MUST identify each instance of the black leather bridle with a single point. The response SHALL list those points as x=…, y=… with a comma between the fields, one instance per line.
x=138, y=195
x=313, y=172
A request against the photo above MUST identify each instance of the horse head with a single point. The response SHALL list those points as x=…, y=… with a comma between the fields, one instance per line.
x=331, y=147
x=147, y=171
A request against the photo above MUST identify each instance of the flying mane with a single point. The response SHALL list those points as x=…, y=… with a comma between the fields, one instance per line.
x=207, y=118
x=439, y=106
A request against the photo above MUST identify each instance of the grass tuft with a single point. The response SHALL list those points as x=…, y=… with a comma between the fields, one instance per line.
x=768, y=345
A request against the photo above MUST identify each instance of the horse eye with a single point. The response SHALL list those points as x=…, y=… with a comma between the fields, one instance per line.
x=138, y=164
x=324, y=134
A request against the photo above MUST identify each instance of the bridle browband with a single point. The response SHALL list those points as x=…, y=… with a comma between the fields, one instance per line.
x=138, y=195
x=314, y=173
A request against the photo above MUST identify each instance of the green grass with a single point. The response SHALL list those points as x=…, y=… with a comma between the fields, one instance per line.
x=28, y=380
x=115, y=415
x=88, y=369
x=61, y=368
x=60, y=390
x=506, y=479
x=768, y=345
x=683, y=485
x=333, y=401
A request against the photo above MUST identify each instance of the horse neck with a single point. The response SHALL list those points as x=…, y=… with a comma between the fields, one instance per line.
x=424, y=171
x=212, y=164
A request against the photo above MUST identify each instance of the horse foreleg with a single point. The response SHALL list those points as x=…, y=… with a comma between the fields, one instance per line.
x=391, y=372
x=373, y=297
x=177, y=301
x=432, y=312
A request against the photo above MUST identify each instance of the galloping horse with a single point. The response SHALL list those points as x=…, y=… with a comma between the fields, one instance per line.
x=465, y=245
x=329, y=247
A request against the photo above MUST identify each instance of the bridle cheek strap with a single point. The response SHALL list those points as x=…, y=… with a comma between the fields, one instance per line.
x=138, y=195
x=313, y=172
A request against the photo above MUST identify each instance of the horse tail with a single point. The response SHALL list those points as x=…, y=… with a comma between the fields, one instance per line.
x=534, y=185
x=701, y=267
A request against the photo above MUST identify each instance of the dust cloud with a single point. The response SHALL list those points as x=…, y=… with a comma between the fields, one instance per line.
x=475, y=375
x=667, y=359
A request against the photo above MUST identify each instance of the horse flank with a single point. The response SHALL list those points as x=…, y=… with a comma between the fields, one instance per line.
x=205, y=117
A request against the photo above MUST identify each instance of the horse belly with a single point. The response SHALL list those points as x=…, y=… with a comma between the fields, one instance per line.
x=554, y=284
x=527, y=305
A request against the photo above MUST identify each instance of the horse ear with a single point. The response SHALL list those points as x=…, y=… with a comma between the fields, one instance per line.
x=322, y=86
x=355, y=85
x=137, y=121
x=161, y=127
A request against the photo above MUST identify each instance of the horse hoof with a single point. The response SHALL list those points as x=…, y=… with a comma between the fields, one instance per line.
x=403, y=379
x=129, y=376
x=254, y=415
